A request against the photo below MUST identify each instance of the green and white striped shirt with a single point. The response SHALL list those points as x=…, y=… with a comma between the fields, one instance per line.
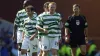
x=29, y=26
x=38, y=18
x=50, y=23
x=20, y=17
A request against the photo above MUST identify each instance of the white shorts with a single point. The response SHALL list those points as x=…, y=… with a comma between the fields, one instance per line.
x=31, y=45
x=48, y=43
x=19, y=36
x=39, y=44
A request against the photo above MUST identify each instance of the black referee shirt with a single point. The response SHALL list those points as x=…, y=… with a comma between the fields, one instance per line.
x=76, y=25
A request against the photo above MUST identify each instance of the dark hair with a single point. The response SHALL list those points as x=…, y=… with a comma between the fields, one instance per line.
x=76, y=5
x=46, y=4
x=27, y=3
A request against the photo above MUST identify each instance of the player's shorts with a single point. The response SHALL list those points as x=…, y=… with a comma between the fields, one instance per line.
x=32, y=45
x=40, y=46
x=39, y=43
x=19, y=36
x=75, y=42
x=48, y=43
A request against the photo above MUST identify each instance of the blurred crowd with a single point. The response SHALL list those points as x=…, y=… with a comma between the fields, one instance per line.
x=65, y=49
x=8, y=46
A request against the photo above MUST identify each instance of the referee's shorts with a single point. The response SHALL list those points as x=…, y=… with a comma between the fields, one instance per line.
x=77, y=41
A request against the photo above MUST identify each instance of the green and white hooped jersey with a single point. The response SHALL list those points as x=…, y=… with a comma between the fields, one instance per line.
x=38, y=17
x=20, y=17
x=29, y=26
x=50, y=23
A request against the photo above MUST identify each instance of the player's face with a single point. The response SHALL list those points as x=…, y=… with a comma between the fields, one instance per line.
x=52, y=8
x=76, y=9
x=28, y=9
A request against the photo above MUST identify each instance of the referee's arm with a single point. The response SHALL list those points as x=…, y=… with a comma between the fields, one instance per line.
x=86, y=31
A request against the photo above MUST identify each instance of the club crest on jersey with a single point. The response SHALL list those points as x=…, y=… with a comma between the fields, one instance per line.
x=77, y=22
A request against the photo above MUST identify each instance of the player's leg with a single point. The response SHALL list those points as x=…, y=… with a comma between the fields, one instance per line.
x=34, y=47
x=45, y=45
x=25, y=46
x=73, y=51
x=54, y=46
x=83, y=50
x=19, y=41
x=40, y=46
x=40, y=51
x=82, y=45
x=73, y=44
x=19, y=48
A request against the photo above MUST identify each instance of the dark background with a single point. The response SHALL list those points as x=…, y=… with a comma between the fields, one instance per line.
x=90, y=8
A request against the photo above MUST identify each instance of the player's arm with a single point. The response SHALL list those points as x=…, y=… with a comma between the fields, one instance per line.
x=14, y=30
x=39, y=25
x=66, y=34
x=23, y=33
x=86, y=34
x=60, y=26
x=34, y=35
x=67, y=30
x=16, y=23
x=86, y=30
x=40, y=28
x=60, y=22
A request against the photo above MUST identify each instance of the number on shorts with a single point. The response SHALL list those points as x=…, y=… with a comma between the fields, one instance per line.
x=34, y=46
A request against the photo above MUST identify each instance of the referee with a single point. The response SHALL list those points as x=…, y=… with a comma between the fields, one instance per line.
x=76, y=28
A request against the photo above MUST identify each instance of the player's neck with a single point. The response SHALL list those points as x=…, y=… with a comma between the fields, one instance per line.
x=30, y=16
x=76, y=14
x=51, y=13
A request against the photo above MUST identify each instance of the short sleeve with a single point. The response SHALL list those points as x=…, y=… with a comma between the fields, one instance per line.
x=17, y=20
x=85, y=24
x=39, y=21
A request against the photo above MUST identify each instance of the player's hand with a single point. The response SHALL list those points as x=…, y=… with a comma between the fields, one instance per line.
x=86, y=39
x=31, y=38
x=67, y=39
x=45, y=31
x=13, y=37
